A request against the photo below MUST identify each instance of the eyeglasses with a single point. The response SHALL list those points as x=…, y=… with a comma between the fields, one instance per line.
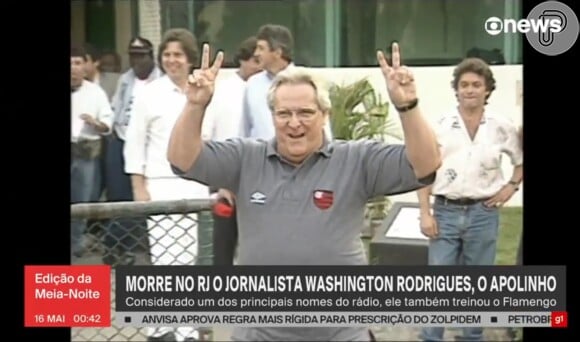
x=303, y=115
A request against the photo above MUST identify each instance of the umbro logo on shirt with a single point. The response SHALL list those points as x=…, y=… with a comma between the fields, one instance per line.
x=258, y=198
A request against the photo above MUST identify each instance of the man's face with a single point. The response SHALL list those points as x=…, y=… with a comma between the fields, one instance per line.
x=471, y=91
x=265, y=57
x=77, y=71
x=174, y=61
x=299, y=122
x=109, y=64
x=141, y=63
x=250, y=67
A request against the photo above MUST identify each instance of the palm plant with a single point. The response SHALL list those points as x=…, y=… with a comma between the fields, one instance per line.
x=358, y=112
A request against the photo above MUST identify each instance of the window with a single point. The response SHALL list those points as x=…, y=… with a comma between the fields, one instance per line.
x=343, y=33
x=177, y=14
x=225, y=24
x=431, y=32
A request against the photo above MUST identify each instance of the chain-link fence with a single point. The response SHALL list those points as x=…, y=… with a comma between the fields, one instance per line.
x=140, y=233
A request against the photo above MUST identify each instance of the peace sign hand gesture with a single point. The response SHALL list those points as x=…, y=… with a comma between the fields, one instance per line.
x=201, y=82
x=400, y=81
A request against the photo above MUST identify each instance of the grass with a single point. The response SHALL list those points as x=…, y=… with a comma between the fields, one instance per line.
x=510, y=232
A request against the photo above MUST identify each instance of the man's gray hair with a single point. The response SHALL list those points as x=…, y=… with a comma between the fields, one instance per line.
x=300, y=75
x=278, y=37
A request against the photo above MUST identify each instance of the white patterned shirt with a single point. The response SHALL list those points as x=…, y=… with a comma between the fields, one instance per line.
x=473, y=168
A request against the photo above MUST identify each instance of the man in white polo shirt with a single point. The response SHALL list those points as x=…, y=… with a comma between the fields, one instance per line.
x=222, y=121
x=224, y=113
x=91, y=117
x=173, y=239
x=469, y=187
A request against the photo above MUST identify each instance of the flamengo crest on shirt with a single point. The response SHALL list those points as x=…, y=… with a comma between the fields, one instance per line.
x=323, y=199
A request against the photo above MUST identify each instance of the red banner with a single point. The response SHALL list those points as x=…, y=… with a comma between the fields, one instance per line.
x=67, y=296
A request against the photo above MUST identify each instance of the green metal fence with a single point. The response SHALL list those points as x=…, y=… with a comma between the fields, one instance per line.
x=142, y=233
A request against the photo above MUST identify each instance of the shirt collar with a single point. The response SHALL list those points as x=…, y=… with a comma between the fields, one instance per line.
x=97, y=79
x=153, y=75
x=172, y=86
x=271, y=76
x=483, y=116
x=325, y=150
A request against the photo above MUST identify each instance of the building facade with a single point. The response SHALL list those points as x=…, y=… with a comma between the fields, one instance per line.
x=328, y=33
x=338, y=38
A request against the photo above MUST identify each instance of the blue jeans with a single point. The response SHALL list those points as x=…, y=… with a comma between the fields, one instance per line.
x=84, y=179
x=467, y=236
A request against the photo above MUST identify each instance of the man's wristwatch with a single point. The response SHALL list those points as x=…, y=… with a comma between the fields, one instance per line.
x=408, y=106
x=515, y=185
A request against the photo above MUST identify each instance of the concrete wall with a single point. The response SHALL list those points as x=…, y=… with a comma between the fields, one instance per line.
x=150, y=21
x=77, y=24
x=123, y=25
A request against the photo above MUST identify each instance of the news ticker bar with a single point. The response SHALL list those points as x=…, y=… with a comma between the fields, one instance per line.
x=80, y=295
x=339, y=319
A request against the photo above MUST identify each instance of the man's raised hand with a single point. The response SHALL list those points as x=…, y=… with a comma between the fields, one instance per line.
x=201, y=82
x=399, y=79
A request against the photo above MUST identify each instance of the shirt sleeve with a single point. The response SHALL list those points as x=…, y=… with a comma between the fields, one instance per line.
x=511, y=146
x=117, y=97
x=104, y=110
x=136, y=137
x=246, y=121
x=218, y=165
x=328, y=131
x=388, y=171
x=210, y=117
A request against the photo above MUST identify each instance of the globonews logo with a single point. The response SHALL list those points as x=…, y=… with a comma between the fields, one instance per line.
x=551, y=27
x=495, y=26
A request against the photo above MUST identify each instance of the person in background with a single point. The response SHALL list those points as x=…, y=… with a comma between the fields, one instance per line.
x=274, y=50
x=469, y=187
x=172, y=238
x=91, y=118
x=222, y=122
x=124, y=236
x=108, y=82
x=110, y=61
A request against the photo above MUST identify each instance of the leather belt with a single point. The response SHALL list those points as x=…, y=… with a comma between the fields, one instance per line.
x=458, y=201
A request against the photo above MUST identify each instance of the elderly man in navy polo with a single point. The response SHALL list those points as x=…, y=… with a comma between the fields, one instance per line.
x=301, y=197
